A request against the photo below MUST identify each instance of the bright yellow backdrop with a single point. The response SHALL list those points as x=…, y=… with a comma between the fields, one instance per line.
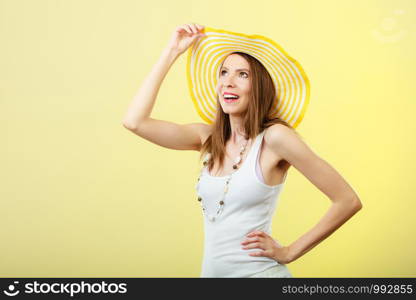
x=82, y=196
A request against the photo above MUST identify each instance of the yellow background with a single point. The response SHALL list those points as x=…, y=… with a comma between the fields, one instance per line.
x=82, y=196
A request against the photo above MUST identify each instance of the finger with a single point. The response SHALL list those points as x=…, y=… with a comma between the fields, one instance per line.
x=183, y=29
x=258, y=253
x=194, y=28
x=251, y=240
x=191, y=29
x=200, y=27
x=254, y=233
x=197, y=30
x=186, y=28
x=254, y=245
x=201, y=30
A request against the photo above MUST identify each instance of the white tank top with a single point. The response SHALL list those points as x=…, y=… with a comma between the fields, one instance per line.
x=249, y=205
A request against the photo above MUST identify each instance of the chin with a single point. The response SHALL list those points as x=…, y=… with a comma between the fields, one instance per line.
x=233, y=112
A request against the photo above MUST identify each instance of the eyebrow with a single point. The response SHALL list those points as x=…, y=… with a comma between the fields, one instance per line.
x=237, y=69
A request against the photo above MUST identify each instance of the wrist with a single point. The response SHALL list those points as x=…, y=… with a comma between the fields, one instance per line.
x=288, y=256
x=171, y=52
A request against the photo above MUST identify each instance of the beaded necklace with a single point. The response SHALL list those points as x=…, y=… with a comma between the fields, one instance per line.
x=221, y=203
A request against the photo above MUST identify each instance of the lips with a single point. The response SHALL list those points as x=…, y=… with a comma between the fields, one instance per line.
x=227, y=93
x=230, y=100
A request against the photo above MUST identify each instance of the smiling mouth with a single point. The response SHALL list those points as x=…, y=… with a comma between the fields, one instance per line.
x=230, y=100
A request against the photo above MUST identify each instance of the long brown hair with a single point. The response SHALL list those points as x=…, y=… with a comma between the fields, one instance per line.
x=256, y=118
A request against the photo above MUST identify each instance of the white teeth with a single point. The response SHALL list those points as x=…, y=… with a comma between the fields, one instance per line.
x=230, y=97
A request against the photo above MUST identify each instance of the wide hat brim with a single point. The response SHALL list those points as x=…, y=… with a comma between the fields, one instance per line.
x=207, y=53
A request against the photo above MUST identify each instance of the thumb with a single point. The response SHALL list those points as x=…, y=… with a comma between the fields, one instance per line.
x=195, y=37
x=198, y=36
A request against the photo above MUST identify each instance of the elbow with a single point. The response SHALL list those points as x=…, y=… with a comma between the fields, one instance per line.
x=353, y=204
x=128, y=125
x=357, y=204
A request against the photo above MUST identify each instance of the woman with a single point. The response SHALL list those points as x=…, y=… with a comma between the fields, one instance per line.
x=247, y=152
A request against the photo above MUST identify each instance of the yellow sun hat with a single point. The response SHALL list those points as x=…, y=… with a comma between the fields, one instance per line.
x=207, y=53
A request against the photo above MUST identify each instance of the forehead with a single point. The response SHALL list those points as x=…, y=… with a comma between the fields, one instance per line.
x=235, y=61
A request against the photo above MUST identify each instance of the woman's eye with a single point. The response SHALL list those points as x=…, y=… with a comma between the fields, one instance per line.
x=222, y=72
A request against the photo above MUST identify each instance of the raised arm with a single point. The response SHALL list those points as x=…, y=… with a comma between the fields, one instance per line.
x=137, y=118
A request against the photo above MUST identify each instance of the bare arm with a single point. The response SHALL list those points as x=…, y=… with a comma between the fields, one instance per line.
x=137, y=118
x=143, y=102
x=345, y=202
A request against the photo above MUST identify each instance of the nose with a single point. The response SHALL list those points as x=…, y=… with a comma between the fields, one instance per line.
x=229, y=81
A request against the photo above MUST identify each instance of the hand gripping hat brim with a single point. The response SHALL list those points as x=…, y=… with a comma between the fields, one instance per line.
x=207, y=53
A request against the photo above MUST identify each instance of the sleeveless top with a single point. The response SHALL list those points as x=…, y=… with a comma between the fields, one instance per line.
x=249, y=205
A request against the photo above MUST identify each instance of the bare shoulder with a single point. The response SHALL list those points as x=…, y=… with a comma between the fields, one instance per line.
x=289, y=145
x=278, y=134
x=278, y=138
x=205, y=131
x=286, y=143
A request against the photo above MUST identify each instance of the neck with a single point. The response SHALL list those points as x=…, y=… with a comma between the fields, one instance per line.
x=237, y=130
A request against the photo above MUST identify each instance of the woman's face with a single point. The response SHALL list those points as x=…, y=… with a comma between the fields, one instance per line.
x=234, y=78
